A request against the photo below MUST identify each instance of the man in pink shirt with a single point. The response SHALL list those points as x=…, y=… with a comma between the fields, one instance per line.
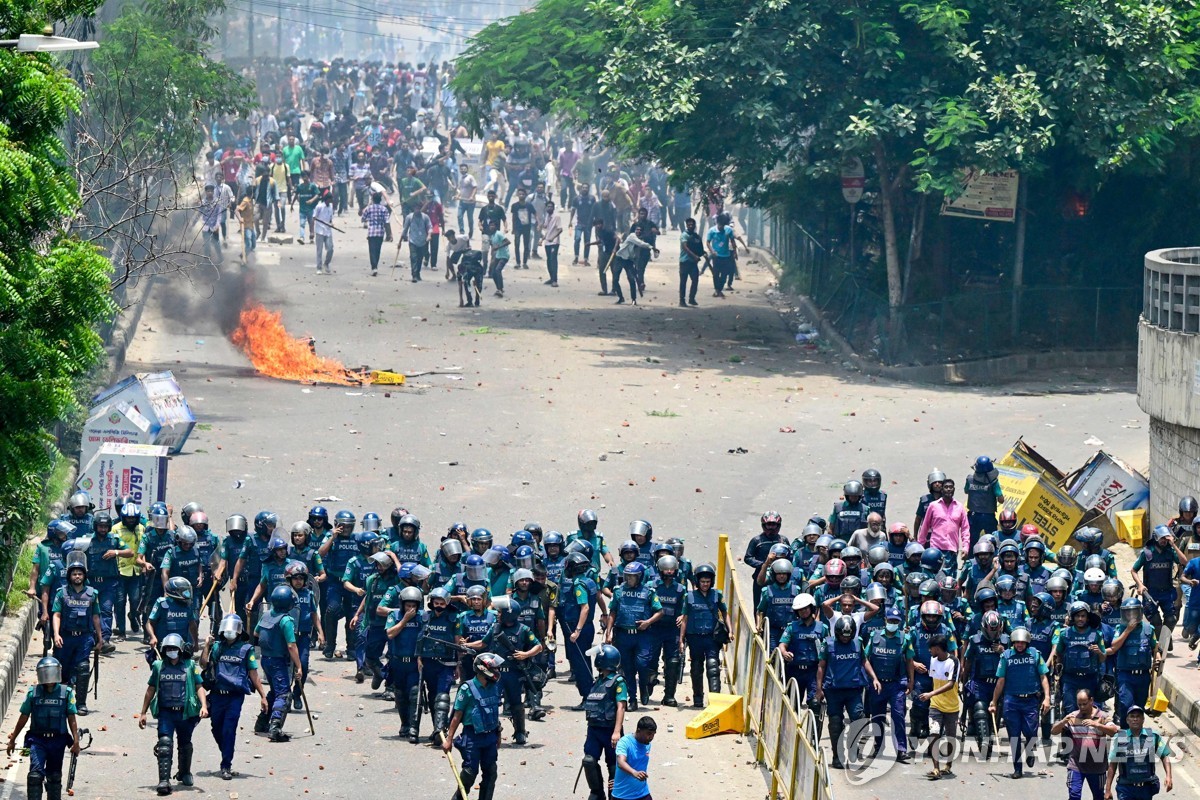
x=945, y=527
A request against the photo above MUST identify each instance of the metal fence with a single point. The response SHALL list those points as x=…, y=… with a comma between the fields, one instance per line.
x=974, y=324
x=785, y=735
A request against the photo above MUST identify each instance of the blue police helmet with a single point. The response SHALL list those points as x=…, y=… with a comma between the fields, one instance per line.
x=608, y=659
x=283, y=598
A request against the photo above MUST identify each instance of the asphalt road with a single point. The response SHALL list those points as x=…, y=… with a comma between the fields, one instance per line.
x=553, y=400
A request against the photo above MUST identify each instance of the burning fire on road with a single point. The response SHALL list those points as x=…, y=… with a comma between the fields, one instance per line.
x=277, y=354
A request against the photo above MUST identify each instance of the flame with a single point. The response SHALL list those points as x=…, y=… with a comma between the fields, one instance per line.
x=276, y=353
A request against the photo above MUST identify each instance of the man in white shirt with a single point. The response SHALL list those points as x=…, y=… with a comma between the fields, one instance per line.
x=322, y=218
x=468, y=187
x=551, y=232
x=226, y=201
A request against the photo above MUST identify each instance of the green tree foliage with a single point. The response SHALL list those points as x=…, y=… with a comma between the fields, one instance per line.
x=767, y=94
x=53, y=288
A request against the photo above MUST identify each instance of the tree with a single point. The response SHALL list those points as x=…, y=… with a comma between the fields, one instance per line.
x=53, y=288
x=767, y=93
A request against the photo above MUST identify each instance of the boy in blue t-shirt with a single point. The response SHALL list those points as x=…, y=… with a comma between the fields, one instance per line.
x=633, y=760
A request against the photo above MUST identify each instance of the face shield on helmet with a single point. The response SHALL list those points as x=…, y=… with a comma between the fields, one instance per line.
x=640, y=531
x=676, y=545
x=667, y=567
x=633, y=574
x=410, y=528
x=1020, y=636
x=1006, y=587
x=49, y=671
x=588, y=521
x=481, y=541
x=1067, y=557
x=344, y=521
x=172, y=646
x=875, y=593
x=781, y=571
x=159, y=518
x=872, y=480
x=853, y=558
x=230, y=627
x=1112, y=591
x=185, y=537
x=451, y=550
x=474, y=568
x=1131, y=611
x=371, y=522
x=933, y=481
x=523, y=558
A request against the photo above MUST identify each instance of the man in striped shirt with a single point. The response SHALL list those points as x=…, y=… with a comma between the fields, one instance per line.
x=377, y=217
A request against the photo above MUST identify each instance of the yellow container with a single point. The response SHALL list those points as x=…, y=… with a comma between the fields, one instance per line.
x=382, y=377
x=726, y=713
x=1131, y=527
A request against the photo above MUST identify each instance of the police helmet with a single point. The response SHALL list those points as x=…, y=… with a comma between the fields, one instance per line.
x=1044, y=602
x=608, y=659
x=1131, y=610
x=804, y=600
x=1188, y=505
x=60, y=529
x=667, y=565
x=851, y=553
x=179, y=588
x=1006, y=583
x=823, y=541
x=983, y=549
x=1161, y=533
x=1055, y=584
x=318, y=516
x=451, y=547
x=871, y=479
x=524, y=557
x=488, y=665
x=283, y=599
x=159, y=518
x=983, y=466
x=185, y=536
x=877, y=554
x=1020, y=635
x=481, y=536
x=345, y=518
x=937, y=476
x=265, y=522
x=411, y=594
x=932, y=559
x=913, y=551
x=1089, y=537
x=913, y=581
x=510, y=612
x=985, y=594
x=230, y=627
x=535, y=530
x=102, y=519
x=49, y=670
x=782, y=566
x=850, y=584
x=171, y=643
x=577, y=564
x=876, y=592
x=1078, y=607
x=929, y=588
x=676, y=545
x=472, y=591
x=297, y=569
x=553, y=539
x=439, y=593
x=1093, y=576
x=844, y=627
x=634, y=572
x=852, y=489
x=629, y=547
x=76, y=559
x=641, y=527
x=198, y=522
x=1066, y=556
x=236, y=524
x=277, y=543
x=811, y=529
x=186, y=512
x=371, y=522
x=1095, y=561
x=497, y=555
x=1035, y=546
x=1113, y=590
x=583, y=547
x=522, y=574
x=80, y=500
x=884, y=568
x=587, y=520
x=704, y=571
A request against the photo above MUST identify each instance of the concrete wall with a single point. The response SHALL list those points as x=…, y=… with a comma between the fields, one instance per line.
x=1169, y=391
x=1174, y=467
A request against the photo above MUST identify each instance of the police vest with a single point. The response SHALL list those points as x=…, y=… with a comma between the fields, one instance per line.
x=876, y=502
x=887, y=656
x=232, y=662
x=1013, y=611
x=377, y=587
x=255, y=553
x=779, y=606
x=172, y=685
x=304, y=611
x=185, y=564
x=54, y=576
x=98, y=566
x=1035, y=580
x=600, y=705
x=844, y=664
x=407, y=552
x=484, y=716
x=438, y=627
x=1158, y=568
x=233, y=547
x=1041, y=636
x=985, y=658
x=270, y=635
x=554, y=569
x=1058, y=613
x=920, y=639
x=633, y=606
x=341, y=550
x=307, y=554
x=847, y=518
x=670, y=597
x=48, y=715
x=702, y=612
x=1021, y=674
x=1077, y=659
x=972, y=577
x=445, y=570
x=981, y=498
x=172, y=616
x=76, y=610
x=570, y=608
x=895, y=555
x=802, y=641
x=476, y=626
x=530, y=605
x=158, y=544
x=403, y=646
x=1095, y=601
x=1136, y=653
x=1140, y=753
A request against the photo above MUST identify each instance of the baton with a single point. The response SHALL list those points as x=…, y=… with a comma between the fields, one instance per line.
x=575, y=788
x=458, y=778
x=208, y=598
x=307, y=710
x=75, y=759
x=95, y=673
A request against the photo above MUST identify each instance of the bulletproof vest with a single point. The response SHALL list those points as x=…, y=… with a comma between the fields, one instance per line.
x=55, y=574
x=484, y=716
x=304, y=610
x=255, y=552
x=98, y=566
x=445, y=570
x=377, y=586
x=1138, y=766
x=476, y=626
x=233, y=551
x=275, y=574
x=1004, y=537
x=702, y=612
x=960, y=605
x=341, y=551
x=1112, y=617
x=1021, y=672
x=1041, y=635
x=530, y=605
x=1076, y=657
x=670, y=596
x=438, y=626
x=920, y=640
x=847, y=518
x=405, y=551
x=802, y=640
x=1013, y=611
x=981, y=498
x=506, y=640
x=1095, y=601
x=887, y=655
x=77, y=608
x=923, y=505
x=972, y=576
x=554, y=569
x=1136, y=653
x=233, y=666
x=175, y=617
x=600, y=705
x=83, y=525
x=270, y=635
x=206, y=544
x=876, y=502
x=646, y=558
x=779, y=606
x=404, y=644
x=360, y=569
x=871, y=625
x=984, y=661
x=186, y=564
x=48, y=716
x=895, y=555
x=633, y=605
x=1035, y=580
x=844, y=664
x=306, y=554
x=172, y=685
x=1158, y=567
x=570, y=609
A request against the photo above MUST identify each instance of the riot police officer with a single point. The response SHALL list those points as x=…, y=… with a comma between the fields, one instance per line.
x=760, y=545
x=1131, y=756
x=337, y=550
x=533, y=616
x=175, y=613
x=642, y=532
x=50, y=706
x=514, y=643
x=477, y=711
x=438, y=659
x=1022, y=681
x=276, y=633
x=664, y=634
x=79, y=513
x=775, y=603
x=840, y=683
x=104, y=574
x=183, y=561
x=234, y=669
x=1034, y=573
x=404, y=629
x=981, y=657
x=1135, y=646
x=404, y=540
x=1080, y=650
x=247, y=571
x=175, y=695
x=157, y=540
x=556, y=557
x=236, y=529
x=850, y=513
x=1158, y=563
x=933, y=482
x=472, y=625
x=885, y=669
x=933, y=622
x=306, y=551
x=633, y=611
x=308, y=622
x=874, y=499
x=704, y=612
x=207, y=547
x=604, y=708
x=984, y=496
x=588, y=522
x=577, y=614
x=801, y=645
x=1092, y=540
x=47, y=575
x=76, y=610
x=449, y=561
x=370, y=617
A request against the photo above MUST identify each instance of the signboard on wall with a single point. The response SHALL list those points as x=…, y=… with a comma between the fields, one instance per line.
x=986, y=195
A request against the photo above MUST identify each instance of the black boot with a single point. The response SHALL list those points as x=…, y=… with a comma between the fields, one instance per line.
x=184, y=775
x=54, y=786
x=518, y=721
x=467, y=778
x=163, y=752
x=595, y=781
x=670, y=681
x=276, y=732
x=836, y=726
x=697, y=685
x=262, y=723
x=405, y=716
x=414, y=705
x=33, y=787
x=83, y=682
x=441, y=719
x=487, y=783
x=712, y=668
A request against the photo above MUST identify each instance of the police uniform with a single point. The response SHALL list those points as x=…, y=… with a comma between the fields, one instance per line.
x=846, y=518
x=1136, y=757
x=916, y=648
x=231, y=550
x=172, y=616
x=181, y=562
x=775, y=604
x=1022, y=674
x=875, y=501
x=176, y=706
x=600, y=709
x=843, y=686
x=596, y=540
x=703, y=612
x=254, y=555
x=438, y=662
x=505, y=641
x=372, y=624
x=983, y=657
x=577, y=601
x=885, y=652
x=805, y=641
x=104, y=574
x=275, y=632
x=1132, y=664
x=982, y=502
x=472, y=627
x=339, y=602
x=1158, y=576
x=1081, y=669
x=304, y=613
x=48, y=559
x=153, y=548
x=358, y=571
x=479, y=741
x=631, y=605
x=403, y=675
x=208, y=543
x=49, y=735
x=77, y=612
x=664, y=634
x=408, y=552
x=232, y=664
